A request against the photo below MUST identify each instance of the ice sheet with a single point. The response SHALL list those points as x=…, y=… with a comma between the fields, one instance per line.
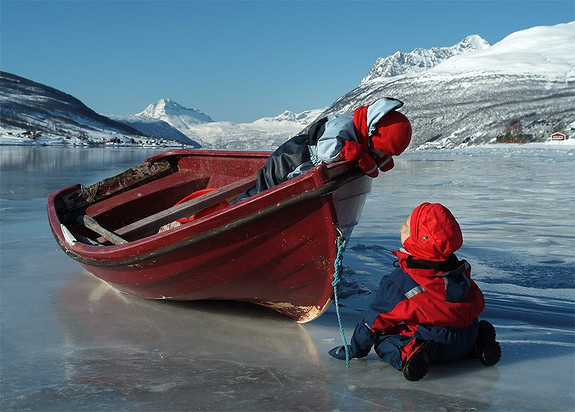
x=70, y=342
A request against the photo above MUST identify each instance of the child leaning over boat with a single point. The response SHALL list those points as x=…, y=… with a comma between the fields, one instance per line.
x=369, y=137
x=427, y=309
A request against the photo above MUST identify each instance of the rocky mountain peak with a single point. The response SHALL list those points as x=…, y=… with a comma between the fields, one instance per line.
x=167, y=109
x=419, y=60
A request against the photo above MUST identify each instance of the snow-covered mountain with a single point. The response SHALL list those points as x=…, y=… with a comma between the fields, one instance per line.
x=156, y=128
x=40, y=112
x=527, y=80
x=544, y=53
x=180, y=117
x=290, y=118
x=269, y=132
x=170, y=119
x=263, y=134
x=35, y=113
x=470, y=93
x=419, y=60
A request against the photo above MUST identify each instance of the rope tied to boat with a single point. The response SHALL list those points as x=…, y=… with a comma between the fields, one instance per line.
x=341, y=242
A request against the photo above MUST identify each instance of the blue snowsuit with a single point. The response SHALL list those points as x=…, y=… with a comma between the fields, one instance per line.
x=421, y=300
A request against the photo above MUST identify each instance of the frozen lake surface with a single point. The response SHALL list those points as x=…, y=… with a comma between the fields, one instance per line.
x=70, y=343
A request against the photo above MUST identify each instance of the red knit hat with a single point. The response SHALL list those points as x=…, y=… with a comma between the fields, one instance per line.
x=393, y=133
x=435, y=234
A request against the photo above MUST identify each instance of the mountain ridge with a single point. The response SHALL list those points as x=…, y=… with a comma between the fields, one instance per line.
x=419, y=60
x=46, y=100
x=466, y=94
x=473, y=98
x=34, y=113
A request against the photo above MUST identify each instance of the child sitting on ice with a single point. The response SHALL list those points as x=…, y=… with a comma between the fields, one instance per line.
x=427, y=309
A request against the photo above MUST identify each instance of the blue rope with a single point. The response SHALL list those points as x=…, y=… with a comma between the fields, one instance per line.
x=338, y=265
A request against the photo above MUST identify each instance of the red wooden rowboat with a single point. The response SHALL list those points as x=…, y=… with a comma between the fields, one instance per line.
x=275, y=249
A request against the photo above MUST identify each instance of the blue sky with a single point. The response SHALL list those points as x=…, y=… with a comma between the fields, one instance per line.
x=237, y=60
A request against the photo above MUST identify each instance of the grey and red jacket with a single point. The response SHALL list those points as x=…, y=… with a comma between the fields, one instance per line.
x=419, y=293
x=326, y=137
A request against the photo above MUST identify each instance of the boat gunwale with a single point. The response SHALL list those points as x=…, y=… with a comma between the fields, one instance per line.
x=333, y=182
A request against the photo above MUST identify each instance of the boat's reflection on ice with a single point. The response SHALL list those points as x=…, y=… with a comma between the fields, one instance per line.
x=189, y=355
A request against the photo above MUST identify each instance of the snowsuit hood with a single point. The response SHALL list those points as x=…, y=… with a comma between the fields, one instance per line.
x=435, y=233
x=379, y=125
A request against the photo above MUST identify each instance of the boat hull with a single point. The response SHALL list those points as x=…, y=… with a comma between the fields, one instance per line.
x=275, y=249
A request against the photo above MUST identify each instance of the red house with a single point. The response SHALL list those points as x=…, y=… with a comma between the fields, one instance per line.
x=558, y=136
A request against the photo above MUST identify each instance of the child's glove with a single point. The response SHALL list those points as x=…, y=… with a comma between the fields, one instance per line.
x=384, y=163
x=361, y=342
x=339, y=352
x=355, y=152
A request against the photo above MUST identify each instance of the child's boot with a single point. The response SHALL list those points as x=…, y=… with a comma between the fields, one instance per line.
x=417, y=365
x=487, y=349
